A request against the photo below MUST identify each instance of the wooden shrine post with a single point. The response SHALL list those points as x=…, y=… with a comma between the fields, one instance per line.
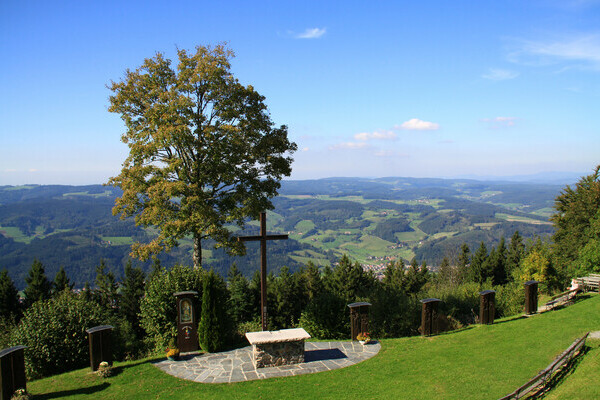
x=263, y=237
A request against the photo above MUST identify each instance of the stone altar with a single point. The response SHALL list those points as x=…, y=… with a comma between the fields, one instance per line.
x=275, y=348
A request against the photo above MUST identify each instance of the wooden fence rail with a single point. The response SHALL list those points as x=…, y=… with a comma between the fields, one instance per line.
x=544, y=376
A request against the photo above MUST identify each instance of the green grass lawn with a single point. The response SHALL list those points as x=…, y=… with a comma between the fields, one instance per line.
x=479, y=362
x=581, y=383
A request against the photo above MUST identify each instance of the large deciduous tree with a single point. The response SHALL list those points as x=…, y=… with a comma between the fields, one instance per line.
x=203, y=151
x=577, y=223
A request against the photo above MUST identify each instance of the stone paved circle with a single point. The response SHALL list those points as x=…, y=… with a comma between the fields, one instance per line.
x=238, y=366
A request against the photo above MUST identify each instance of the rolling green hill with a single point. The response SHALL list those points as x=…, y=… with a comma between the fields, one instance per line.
x=371, y=220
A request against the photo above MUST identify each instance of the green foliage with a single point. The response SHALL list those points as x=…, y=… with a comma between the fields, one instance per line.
x=240, y=297
x=61, y=281
x=131, y=295
x=106, y=293
x=348, y=280
x=38, y=286
x=538, y=265
x=214, y=329
x=514, y=254
x=9, y=297
x=54, y=333
x=510, y=299
x=326, y=317
x=576, y=223
x=203, y=151
x=158, y=314
x=393, y=313
x=479, y=268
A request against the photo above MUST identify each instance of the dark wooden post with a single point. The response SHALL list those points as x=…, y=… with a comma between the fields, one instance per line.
x=12, y=371
x=429, y=317
x=531, y=297
x=187, y=325
x=100, y=341
x=359, y=318
x=487, y=307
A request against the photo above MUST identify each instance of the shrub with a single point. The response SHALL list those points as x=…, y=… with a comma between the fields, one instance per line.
x=54, y=332
x=158, y=314
x=510, y=299
x=393, y=313
x=326, y=317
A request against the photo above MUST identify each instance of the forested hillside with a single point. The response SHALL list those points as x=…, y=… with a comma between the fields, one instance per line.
x=371, y=220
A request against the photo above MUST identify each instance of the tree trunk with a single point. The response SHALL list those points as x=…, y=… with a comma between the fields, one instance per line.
x=197, y=257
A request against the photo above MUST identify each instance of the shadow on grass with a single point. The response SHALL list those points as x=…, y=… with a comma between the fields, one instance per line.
x=67, y=393
x=562, y=374
x=512, y=319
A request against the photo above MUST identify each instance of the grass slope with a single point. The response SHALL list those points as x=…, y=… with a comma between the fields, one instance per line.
x=480, y=362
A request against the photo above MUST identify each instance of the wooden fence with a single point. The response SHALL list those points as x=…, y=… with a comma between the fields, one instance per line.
x=541, y=379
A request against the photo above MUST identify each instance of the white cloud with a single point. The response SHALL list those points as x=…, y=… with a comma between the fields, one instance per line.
x=349, y=145
x=305, y=149
x=500, y=122
x=377, y=135
x=416, y=124
x=496, y=74
x=311, y=33
x=583, y=50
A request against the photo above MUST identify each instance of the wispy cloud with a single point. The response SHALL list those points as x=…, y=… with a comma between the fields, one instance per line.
x=377, y=135
x=311, y=33
x=577, y=51
x=496, y=74
x=416, y=124
x=500, y=122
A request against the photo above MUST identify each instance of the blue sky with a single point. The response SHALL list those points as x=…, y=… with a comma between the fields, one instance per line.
x=390, y=88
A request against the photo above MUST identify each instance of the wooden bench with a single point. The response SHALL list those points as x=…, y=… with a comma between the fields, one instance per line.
x=589, y=283
x=275, y=348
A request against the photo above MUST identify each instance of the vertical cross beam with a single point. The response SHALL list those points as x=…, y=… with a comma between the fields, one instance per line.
x=263, y=237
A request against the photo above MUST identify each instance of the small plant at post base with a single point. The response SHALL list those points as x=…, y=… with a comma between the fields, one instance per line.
x=21, y=394
x=104, y=370
x=364, y=337
x=172, y=351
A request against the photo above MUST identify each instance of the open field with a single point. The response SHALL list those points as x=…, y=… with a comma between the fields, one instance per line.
x=479, y=362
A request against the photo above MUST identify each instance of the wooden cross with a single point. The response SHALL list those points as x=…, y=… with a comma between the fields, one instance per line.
x=263, y=237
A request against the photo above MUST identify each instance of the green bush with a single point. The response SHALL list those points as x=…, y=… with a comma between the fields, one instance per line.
x=393, y=313
x=326, y=317
x=158, y=314
x=54, y=332
x=510, y=299
x=460, y=303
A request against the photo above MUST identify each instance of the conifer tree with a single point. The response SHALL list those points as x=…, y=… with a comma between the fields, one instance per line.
x=497, y=262
x=9, y=296
x=106, y=287
x=38, y=285
x=478, y=267
x=87, y=293
x=61, y=282
x=444, y=275
x=240, y=297
x=464, y=261
x=131, y=296
x=393, y=277
x=514, y=254
x=213, y=329
x=312, y=280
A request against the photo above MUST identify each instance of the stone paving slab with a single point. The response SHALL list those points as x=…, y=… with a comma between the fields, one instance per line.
x=237, y=366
